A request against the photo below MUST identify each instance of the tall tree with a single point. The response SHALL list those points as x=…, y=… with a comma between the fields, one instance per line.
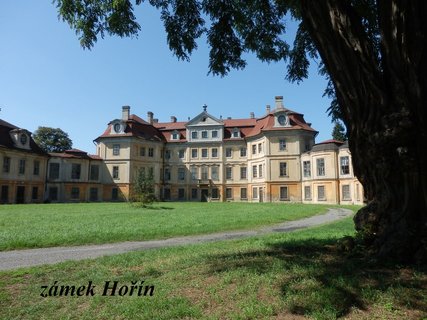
x=372, y=52
x=52, y=140
x=338, y=132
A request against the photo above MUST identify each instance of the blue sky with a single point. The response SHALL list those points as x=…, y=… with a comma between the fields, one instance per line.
x=47, y=79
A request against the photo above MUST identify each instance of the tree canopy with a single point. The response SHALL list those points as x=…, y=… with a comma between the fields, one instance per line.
x=52, y=140
x=338, y=132
x=371, y=51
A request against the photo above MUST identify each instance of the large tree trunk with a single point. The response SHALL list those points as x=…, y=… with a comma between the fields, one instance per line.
x=383, y=99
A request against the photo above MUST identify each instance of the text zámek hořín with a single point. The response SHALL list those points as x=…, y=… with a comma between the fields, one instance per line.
x=110, y=289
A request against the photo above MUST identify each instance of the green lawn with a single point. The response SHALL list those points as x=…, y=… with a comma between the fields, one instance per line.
x=278, y=276
x=46, y=225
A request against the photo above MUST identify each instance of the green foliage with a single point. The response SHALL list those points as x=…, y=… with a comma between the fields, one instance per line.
x=338, y=133
x=143, y=189
x=233, y=28
x=52, y=140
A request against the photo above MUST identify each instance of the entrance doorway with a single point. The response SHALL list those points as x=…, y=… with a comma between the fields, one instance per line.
x=20, y=194
x=204, y=195
x=261, y=195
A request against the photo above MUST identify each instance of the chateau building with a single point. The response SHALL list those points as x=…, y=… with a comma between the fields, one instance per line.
x=23, y=170
x=272, y=158
x=265, y=159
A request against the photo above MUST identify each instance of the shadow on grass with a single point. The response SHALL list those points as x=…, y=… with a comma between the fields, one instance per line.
x=320, y=281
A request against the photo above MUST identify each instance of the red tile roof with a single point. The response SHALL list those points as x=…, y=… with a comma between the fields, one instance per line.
x=162, y=131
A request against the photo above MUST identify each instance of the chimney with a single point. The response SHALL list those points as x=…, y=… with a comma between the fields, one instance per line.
x=173, y=119
x=150, y=117
x=155, y=120
x=252, y=115
x=125, y=113
x=268, y=108
x=228, y=118
x=279, y=102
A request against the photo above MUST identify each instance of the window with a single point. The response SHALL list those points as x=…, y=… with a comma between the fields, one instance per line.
x=194, y=153
x=181, y=193
x=236, y=133
x=36, y=168
x=214, y=152
x=214, y=134
x=214, y=173
x=283, y=170
x=243, y=152
x=167, y=194
x=6, y=164
x=204, y=173
x=142, y=152
x=151, y=172
x=254, y=193
x=116, y=149
x=204, y=134
x=306, y=168
x=345, y=165
x=260, y=171
x=204, y=153
x=228, y=152
x=320, y=166
x=194, y=135
x=229, y=193
x=114, y=194
x=259, y=147
x=75, y=170
x=282, y=144
x=93, y=194
x=194, y=173
x=254, y=171
x=194, y=194
x=167, y=175
x=307, y=193
x=254, y=149
x=53, y=193
x=4, y=194
x=181, y=154
x=321, y=193
x=181, y=174
x=151, y=152
x=215, y=193
x=116, y=172
x=167, y=154
x=243, y=193
x=94, y=172
x=243, y=173
x=75, y=193
x=35, y=193
x=21, y=166
x=53, y=171
x=346, y=192
x=175, y=136
x=284, y=193
x=229, y=173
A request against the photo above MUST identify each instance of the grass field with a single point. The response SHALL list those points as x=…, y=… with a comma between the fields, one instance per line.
x=280, y=276
x=46, y=225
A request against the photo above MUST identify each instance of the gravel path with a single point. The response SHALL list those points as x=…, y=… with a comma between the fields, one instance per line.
x=34, y=257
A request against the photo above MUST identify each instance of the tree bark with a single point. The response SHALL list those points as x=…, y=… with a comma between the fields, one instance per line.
x=383, y=99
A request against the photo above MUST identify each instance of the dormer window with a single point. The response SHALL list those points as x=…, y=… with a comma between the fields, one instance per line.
x=23, y=139
x=282, y=120
x=175, y=135
x=117, y=127
x=235, y=133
